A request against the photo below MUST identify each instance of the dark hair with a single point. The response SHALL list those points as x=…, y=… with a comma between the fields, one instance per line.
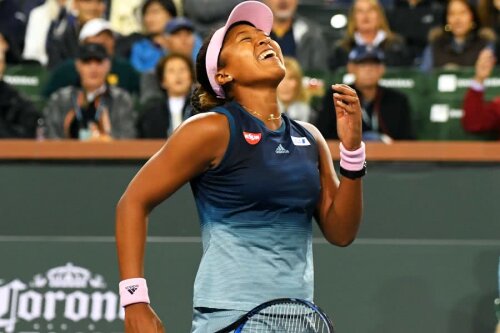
x=160, y=66
x=167, y=4
x=487, y=13
x=204, y=98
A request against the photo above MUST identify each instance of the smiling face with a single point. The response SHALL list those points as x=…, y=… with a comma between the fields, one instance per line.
x=460, y=18
x=250, y=57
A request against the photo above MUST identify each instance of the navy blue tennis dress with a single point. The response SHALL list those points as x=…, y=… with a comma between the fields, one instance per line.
x=256, y=211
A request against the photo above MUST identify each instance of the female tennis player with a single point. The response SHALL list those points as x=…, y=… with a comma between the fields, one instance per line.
x=257, y=177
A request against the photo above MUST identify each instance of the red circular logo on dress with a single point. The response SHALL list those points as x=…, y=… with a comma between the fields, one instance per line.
x=252, y=138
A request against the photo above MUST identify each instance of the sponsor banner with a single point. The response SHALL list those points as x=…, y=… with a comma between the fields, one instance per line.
x=70, y=284
x=66, y=297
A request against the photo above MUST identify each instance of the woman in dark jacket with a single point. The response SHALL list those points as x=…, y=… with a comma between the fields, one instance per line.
x=161, y=116
x=460, y=41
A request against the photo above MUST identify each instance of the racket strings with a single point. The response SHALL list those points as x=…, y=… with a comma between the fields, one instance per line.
x=286, y=318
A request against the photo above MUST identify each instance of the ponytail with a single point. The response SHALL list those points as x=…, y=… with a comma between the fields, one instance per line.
x=203, y=101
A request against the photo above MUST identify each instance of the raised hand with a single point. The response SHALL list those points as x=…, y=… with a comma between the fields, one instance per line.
x=348, y=112
x=484, y=64
x=141, y=318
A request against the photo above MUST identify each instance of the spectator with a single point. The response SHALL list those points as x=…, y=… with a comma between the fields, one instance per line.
x=479, y=115
x=161, y=116
x=367, y=26
x=122, y=74
x=18, y=117
x=460, y=41
x=125, y=19
x=298, y=37
x=52, y=12
x=181, y=38
x=96, y=111
x=62, y=42
x=292, y=96
x=208, y=14
x=413, y=19
x=12, y=27
x=386, y=112
x=147, y=51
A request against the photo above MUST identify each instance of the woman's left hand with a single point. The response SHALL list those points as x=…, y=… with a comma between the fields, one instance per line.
x=348, y=113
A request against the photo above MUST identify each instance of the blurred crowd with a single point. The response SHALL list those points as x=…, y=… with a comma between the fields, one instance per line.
x=124, y=69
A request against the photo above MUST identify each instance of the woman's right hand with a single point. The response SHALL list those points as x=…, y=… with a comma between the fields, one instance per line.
x=141, y=318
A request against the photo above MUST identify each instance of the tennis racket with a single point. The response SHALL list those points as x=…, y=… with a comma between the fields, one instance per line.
x=283, y=315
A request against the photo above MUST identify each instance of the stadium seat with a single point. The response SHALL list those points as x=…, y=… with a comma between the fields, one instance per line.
x=446, y=92
x=436, y=99
x=29, y=80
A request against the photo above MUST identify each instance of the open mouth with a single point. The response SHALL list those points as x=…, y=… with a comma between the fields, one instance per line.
x=267, y=54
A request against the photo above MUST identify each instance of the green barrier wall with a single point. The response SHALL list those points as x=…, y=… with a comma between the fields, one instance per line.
x=426, y=259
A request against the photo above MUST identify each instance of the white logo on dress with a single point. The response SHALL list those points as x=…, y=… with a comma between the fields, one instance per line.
x=281, y=150
x=300, y=141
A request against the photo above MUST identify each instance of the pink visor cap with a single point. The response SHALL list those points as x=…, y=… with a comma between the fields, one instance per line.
x=254, y=12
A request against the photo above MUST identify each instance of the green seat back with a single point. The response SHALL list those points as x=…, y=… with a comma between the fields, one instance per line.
x=447, y=89
x=28, y=79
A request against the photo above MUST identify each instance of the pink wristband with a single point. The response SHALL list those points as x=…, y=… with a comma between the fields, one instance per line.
x=352, y=160
x=133, y=291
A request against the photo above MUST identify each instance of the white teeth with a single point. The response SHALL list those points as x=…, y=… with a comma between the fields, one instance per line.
x=266, y=53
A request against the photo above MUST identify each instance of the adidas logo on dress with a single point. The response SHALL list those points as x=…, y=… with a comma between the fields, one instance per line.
x=281, y=150
x=132, y=289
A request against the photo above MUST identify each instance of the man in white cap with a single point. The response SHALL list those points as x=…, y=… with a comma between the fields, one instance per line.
x=122, y=74
x=94, y=111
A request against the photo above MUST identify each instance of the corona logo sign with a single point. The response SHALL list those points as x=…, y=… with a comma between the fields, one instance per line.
x=64, y=299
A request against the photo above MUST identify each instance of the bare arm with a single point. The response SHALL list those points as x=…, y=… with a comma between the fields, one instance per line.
x=196, y=146
x=340, y=206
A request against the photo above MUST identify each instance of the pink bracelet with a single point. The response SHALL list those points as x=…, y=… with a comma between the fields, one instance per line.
x=133, y=291
x=352, y=160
